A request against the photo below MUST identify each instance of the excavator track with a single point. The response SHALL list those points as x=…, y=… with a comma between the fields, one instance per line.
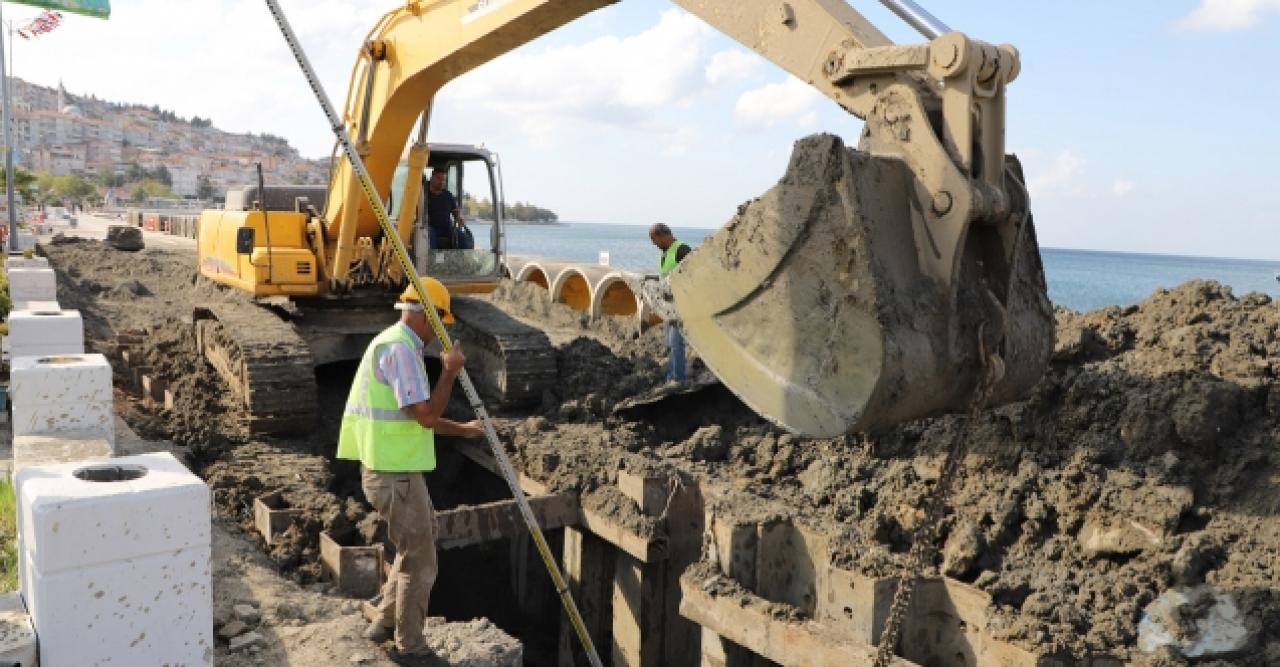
x=511, y=362
x=264, y=362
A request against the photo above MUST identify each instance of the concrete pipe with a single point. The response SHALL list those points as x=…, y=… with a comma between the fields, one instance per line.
x=570, y=286
x=612, y=295
x=533, y=273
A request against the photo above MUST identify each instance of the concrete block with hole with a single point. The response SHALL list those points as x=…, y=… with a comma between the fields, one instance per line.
x=62, y=394
x=45, y=332
x=33, y=284
x=115, y=561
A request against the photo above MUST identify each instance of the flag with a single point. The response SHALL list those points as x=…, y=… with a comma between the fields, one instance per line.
x=41, y=24
x=96, y=8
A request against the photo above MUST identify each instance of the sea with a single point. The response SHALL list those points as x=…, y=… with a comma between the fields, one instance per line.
x=1078, y=279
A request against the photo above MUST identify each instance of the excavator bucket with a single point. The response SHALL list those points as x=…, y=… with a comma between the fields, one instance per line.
x=811, y=306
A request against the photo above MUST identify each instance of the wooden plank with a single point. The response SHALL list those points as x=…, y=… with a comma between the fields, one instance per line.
x=643, y=549
x=465, y=526
x=747, y=622
x=588, y=570
x=481, y=456
x=637, y=613
x=649, y=492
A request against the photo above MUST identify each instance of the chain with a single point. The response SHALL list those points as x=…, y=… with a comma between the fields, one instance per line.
x=925, y=533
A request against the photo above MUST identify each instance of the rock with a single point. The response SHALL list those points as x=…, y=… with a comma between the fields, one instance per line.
x=246, y=640
x=124, y=237
x=291, y=610
x=1198, y=622
x=233, y=628
x=247, y=613
x=707, y=444
x=1198, y=554
x=961, y=553
x=1117, y=537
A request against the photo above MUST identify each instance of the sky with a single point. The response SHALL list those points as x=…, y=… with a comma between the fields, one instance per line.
x=1143, y=126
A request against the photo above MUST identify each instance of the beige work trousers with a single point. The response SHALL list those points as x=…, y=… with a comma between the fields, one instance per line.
x=402, y=499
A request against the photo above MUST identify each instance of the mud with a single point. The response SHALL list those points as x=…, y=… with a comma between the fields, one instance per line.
x=1144, y=460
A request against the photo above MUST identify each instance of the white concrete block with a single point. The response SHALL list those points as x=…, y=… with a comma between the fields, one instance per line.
x=32, y=285
x=37, y=306
x=31, y=450
x=93, y=417
x=56, y=332
x=117, y=572
x=17, y=636
x=20, y=262
x=58, y=380
x=24, y=240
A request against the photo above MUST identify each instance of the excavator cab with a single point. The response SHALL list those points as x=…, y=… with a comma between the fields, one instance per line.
x=474, y=178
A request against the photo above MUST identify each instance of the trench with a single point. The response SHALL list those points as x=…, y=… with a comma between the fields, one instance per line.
x=479, y=581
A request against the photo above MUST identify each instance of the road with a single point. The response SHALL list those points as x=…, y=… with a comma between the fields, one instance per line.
x=95, y=227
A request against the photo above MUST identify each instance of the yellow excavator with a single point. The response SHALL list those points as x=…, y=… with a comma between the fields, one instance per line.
x=869, y=287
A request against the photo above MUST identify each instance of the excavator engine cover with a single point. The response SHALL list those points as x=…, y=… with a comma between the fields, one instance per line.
x=811, y=306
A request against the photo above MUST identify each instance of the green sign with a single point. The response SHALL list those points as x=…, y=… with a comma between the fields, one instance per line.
x=98, y=8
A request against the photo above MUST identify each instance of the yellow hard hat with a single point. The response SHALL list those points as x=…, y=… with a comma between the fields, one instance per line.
x=439, y=297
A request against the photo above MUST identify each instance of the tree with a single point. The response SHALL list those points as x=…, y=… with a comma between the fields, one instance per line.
x=108, y=178
x=72, y=188
x=204, y=187
x=134, y=173
x=162, y=174
x=24, y=183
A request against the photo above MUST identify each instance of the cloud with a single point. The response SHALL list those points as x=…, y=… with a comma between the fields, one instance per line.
x=731, y=65
x=767, y=105
x=677, y=142
x=1122, y=187
x=611, y=80
x=1227, y=14
x=1062, y=176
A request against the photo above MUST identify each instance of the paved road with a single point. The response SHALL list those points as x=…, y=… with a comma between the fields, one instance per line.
x=95, y=227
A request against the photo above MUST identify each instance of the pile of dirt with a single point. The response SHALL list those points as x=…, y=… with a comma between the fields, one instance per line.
x=1143, y=461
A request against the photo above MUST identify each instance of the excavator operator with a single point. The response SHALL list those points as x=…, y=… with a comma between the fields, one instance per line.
x=442, y=212
x=389, y=425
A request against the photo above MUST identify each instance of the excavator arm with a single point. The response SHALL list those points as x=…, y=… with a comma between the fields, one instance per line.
x=939, y=262
x=416, y=49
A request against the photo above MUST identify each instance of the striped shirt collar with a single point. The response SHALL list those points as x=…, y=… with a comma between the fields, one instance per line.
x=417, y=342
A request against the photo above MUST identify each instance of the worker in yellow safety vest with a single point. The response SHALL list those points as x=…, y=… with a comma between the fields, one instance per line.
x=673, y=250
x=389, y=425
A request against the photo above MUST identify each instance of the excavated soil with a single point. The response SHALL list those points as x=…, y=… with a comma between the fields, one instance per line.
x=1142, y=461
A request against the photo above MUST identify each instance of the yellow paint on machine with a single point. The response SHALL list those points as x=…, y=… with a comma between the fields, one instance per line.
x=288, y=269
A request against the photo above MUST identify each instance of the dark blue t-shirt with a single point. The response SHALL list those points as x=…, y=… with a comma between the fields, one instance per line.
x=440, y=209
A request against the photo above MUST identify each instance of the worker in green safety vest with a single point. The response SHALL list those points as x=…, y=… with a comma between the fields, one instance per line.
x=389, y=426
x=673, y=250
